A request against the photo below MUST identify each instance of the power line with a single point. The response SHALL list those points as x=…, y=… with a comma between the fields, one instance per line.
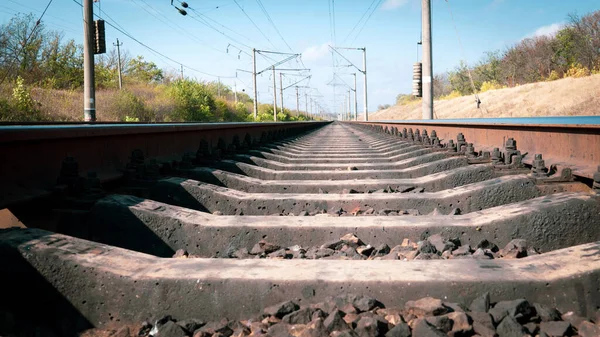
x=367, y=20
x=37, y=23
x=203, y=19
x=207, y=24
x=122, y=31
x=264, y=10
x=172, y=24
x=359, y=21
x=46, y=22
x=249, y=18
x=333, y=17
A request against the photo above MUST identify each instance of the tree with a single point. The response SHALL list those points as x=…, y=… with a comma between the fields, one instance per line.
x=62, y=64
x=459, y=79
x=143, y=71
x=193, y=101
x=17, y=52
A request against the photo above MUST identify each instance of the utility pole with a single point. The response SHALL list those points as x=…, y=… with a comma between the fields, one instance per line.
x=235, y=92
x=89, y=89
x=365, y=72
x=306, y=104
x=281, y=90
x=355, y=100
x=349, y=105
x=274, y=96
x=182, y=78
x=254, y=83
x=218, y=86
x=118, y=45
x=297, y=103
x=427, y=60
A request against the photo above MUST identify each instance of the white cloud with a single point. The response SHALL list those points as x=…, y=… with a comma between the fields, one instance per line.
x=393, y=4
x=549, y=30
x=315, y=53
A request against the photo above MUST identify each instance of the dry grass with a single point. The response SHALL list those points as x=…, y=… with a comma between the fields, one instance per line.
x=67, y=105
x=564, y=97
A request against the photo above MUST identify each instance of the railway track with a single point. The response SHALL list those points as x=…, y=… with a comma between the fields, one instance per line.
x=301, y=229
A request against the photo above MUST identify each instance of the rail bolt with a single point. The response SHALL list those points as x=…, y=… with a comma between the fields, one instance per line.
x=186, y=162
x=203, y=149
x=247, y=141
x=221, y=145
x=451, y=146
x=539, y=169
x=496, y=156
x=137, y=157
x=236, y=141
x=425, y=138
x=470, y=150
x=511, y=144
x=461, y=142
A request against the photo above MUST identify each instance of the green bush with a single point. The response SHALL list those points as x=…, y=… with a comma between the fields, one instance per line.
x=193, y=102
x=21, y=107
x=129, y=108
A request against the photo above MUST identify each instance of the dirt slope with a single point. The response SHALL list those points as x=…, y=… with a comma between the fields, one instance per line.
x=564, y=97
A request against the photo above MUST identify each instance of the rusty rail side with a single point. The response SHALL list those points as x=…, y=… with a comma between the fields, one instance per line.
x=31, y=156
x=565, y=145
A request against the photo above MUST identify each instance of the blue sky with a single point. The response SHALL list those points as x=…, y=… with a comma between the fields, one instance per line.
x=390, y=36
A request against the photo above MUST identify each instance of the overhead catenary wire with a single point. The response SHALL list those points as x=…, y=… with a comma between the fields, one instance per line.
x=162, y=18
x=477, y=100
x=253, y=23
x=359, y=21
x=203, y=19
x=52, y=24
x=366, y=21
x=264, y=10
x=124, y=32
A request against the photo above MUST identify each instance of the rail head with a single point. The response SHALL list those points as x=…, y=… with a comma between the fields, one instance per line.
x=40, y=131
x=569, y=144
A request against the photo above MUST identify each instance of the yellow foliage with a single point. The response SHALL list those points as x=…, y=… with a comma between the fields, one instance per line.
x=491, y=85
x=407, y=99
x=453, y=94
x=577, y=70
x=553, y=76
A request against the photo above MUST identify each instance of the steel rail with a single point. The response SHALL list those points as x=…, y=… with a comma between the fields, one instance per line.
x=576, y=146
x=32, y=155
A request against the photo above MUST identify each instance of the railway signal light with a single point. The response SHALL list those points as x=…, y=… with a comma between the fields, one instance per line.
x=99, y=37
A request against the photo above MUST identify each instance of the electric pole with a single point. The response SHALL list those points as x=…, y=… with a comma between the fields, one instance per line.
x=365, y=72
x=281, y=90
x=427, y=60
x=297, y=103
x=235, y=92
x=274, y=96
x=89, y=89
x=355, y=100
x=182, y=72
x=118, y=45
x=254, y=83
x=349, y=105
x=219, y=86
x=306, y=104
